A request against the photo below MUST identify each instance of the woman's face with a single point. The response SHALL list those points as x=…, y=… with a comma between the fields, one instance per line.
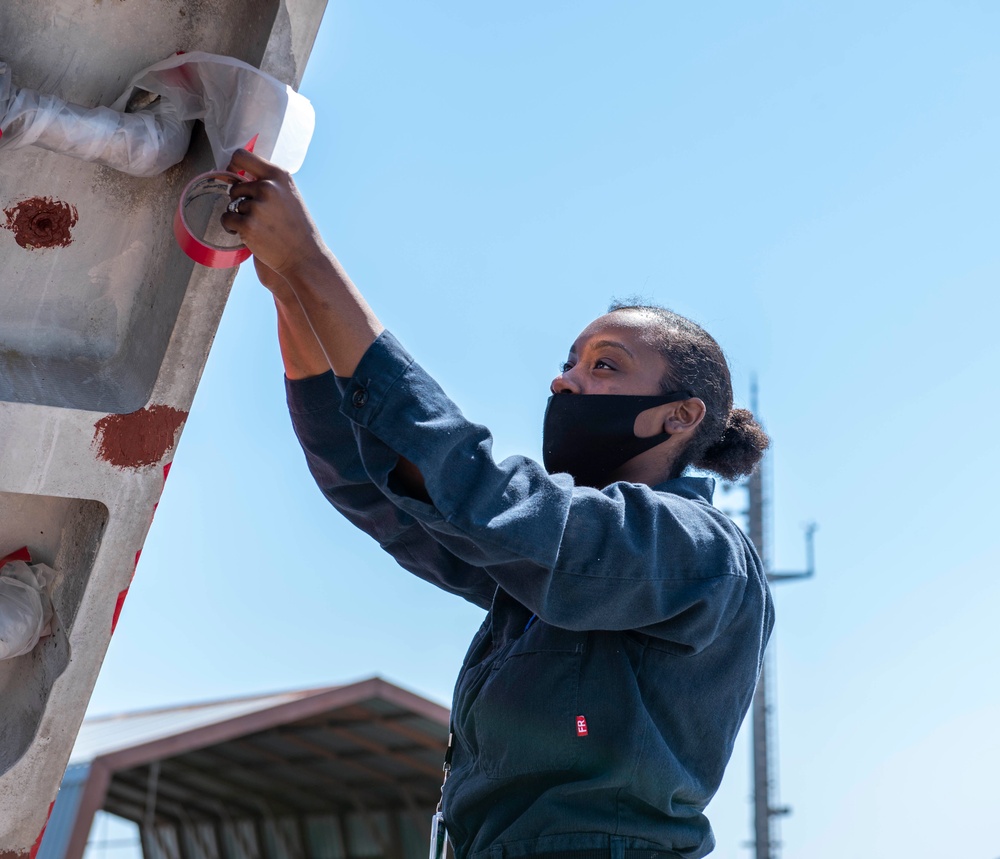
x=616, y=354
x=613, y=355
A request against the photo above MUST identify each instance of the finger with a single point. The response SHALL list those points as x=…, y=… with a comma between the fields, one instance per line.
x=242, y=189
x=239, y=205
x=233, y=223
x=254, y=164
x=248, y=187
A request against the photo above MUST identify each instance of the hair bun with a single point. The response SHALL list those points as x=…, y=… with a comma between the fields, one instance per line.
x=740, y=448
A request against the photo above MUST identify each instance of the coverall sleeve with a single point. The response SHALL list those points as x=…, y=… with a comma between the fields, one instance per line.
x=329, y=441
x=626, y=557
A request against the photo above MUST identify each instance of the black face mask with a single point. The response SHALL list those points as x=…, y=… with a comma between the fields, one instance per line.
x=589, y=436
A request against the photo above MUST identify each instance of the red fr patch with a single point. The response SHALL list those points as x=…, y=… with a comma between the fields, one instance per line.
x=581, y=726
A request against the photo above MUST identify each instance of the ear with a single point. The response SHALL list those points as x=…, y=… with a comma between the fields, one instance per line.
x=684, y=416
x=674, y=418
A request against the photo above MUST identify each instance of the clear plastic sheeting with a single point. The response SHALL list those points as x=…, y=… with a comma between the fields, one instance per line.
x=25, y=608
x=237, y=102
x=148, y=128
x=144, y=143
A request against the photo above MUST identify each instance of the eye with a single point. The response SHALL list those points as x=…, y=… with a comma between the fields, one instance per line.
x=565, y=366
x=601, y=364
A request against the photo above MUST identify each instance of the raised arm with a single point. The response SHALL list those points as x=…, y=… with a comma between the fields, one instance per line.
x=323, y=320
x=663, y=561
x=272, y=220
x=628, y=557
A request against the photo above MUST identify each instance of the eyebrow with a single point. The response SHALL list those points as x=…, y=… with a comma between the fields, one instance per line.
x=606, y=344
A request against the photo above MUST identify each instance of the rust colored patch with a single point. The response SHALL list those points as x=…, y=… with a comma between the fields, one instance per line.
x=41, y=222
x=13, y=854
x=137, y=439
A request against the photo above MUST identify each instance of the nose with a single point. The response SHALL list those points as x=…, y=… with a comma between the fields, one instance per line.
x=565, y=383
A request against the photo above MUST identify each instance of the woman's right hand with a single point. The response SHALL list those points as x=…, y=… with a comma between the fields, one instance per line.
x=271, y=217
x=317, y=300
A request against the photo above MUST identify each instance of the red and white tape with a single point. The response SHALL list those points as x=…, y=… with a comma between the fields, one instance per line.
x=217, y=183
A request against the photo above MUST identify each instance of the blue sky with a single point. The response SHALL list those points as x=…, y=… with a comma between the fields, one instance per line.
x=815, y=184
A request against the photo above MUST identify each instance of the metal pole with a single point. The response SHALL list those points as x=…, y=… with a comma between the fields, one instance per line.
x=764, y=808
x=761, y=780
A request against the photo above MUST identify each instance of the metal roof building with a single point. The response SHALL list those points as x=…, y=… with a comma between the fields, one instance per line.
x=343, y=772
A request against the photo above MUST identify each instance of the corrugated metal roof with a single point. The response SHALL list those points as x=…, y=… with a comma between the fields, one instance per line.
x=357, y=758
x=60, y=825
x=104, y=734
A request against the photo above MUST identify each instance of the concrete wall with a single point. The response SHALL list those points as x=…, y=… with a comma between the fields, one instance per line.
x=102, y=342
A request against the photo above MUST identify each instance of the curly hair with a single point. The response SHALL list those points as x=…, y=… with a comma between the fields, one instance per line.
x=729, y=442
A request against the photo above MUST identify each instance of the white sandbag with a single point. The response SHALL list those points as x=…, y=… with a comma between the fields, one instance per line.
x=25, y=608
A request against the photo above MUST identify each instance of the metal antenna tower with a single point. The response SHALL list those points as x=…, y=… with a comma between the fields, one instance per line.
x=765, y=842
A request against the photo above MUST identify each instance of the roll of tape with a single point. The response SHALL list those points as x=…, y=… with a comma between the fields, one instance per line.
x=216, y=183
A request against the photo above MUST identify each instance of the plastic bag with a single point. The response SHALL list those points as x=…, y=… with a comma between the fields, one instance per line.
x=237, y=103
x=25, y=608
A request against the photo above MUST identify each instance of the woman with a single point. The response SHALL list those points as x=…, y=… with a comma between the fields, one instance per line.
x=598, y=704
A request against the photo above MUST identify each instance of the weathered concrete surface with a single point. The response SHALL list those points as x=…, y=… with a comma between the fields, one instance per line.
x=112, y=322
